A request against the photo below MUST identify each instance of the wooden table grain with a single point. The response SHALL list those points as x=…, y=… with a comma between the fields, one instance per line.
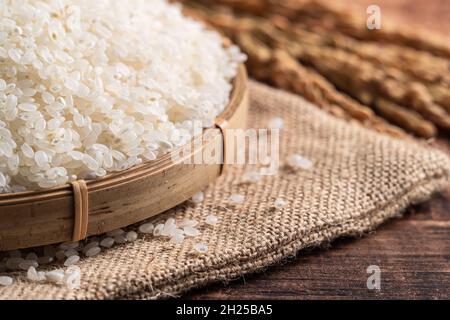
x=413, y=251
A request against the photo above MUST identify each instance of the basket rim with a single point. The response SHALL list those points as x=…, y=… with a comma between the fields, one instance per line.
x=127, y=176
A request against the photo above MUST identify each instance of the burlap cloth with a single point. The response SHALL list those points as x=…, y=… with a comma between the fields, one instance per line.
x=359, y=179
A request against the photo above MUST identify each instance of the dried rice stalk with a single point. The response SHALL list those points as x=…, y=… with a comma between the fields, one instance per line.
x=352, y=74
x=291, y=75
x=312, y=48
x=334, y=17
x=412, y=63
x=410, y=120
x=441, y=96
x=279, y=68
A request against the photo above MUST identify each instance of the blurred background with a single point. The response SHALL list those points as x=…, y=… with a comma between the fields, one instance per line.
x=394, y=78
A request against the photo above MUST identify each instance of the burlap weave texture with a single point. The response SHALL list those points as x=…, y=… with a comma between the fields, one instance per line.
x=358, y=180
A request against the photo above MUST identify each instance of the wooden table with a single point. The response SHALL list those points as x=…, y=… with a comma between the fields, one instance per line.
x=413, y=252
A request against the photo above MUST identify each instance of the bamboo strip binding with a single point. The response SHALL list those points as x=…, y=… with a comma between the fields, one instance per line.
x=87, y=208
x=81, y=210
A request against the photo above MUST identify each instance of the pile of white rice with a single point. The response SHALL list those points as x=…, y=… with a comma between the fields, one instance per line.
x=90, y=87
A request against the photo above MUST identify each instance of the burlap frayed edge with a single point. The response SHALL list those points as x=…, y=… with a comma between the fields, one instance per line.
x=164, y=289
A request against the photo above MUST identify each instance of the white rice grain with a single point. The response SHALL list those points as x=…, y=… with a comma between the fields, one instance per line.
x=188, y=223
x=34, y=275
x=26, y=264
x=198, y=197
x=296, y=161
x=108, y=242
x=6, y=281
x=72, y=260
x=54, y=276
x=191, y=231
x=276, y=123
x=279, y=203
x=237, y=198
x=146, y=228
x=131, y=236
x=201, y=248
x=79, y=73
x=120, y=239
x=157, y=232
x=212, y=220
x=93, y=252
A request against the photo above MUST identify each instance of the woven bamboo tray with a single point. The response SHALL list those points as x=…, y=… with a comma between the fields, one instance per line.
x=74, y=212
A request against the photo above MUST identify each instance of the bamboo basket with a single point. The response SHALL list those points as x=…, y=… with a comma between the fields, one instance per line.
x=74, y=212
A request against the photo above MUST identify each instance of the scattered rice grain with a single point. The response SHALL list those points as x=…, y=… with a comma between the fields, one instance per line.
x=70, y=253
x=191, y=231
x=296, y=161
x=93, y=251
x=237, y=198
x=169, y=227
x=279, y=203
x=14, y=263
x=276, y=123
x=26, y=264
x=131, y=236
x=201, y=248
x=158, y=230
x=188, y=223
x=199, y=197
x=70, y=261
x=6, y=281
x=107, y=242
x=212, y=220
x=91, y=244
x=120, y=239
x=146, y=228
x=32, y=256
x=54, y=276
x=177, y=238
x=73, y=280
x=35, y=276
